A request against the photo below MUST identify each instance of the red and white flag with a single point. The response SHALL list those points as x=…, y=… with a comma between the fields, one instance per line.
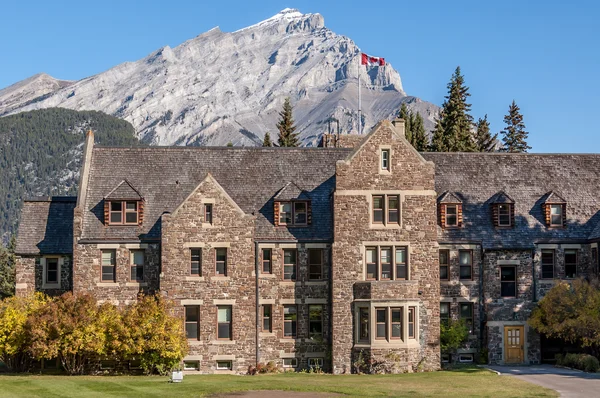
x=371, y=61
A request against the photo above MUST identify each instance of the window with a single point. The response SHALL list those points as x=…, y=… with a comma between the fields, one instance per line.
x=444, y=264
x=445, y=313
x=466, y=314
x=570, y=263
x=385, y=159
x=451, y=216
x=411, y=322
x=221, y=261
x=380, y=216
x=52, y=270
x=315, y=321
x=465, y=358
x=504, y=212
x=396, y=323
x=289, y=264
x=109, y=266
x=224, y=365
x=290, y=319
x=556, y=218
x=191, y=365
x=137, y=265
x=196, y=262
x=123, y=212
x=315, y=264
x=293, y=213
x=380, y=323
x=208, y=213
x=466, y=264
x=508, y=281
x=363, y=322
x=266, y=261
x=386, y=263
x=224, y=322
x=266, y=317
x=192, y=322
x=547, y=264
x=315, y=363
x=290, y=362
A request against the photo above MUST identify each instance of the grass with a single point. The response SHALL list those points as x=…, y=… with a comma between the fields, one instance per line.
x=466, y=382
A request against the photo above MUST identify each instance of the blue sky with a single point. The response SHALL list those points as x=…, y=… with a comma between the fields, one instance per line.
x=543, y=54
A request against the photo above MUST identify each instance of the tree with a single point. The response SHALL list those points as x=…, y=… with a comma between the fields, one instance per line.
x=484, y=140
x=452, y=335
x=439, y=143
x=456, y=122
x=515, y=136
x=267, y=141
x=419, y=137
x=405, y=114
x=14, y=340
x=571, y=312
x=7, y=269
x=287, y=136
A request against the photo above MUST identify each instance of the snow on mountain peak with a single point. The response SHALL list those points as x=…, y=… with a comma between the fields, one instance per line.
x=286, y=15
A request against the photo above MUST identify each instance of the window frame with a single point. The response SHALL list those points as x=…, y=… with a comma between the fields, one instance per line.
x=292, y=213
x=385, y=323
x=199, y=261
x=57, y=270
x=263, y=318
x=224, y=262
x=208, y=213
x=113, y=265
x=412, y=321
x=294, y=324
x=123, y=212
x=386, y=209
x=393, y=264
x=196, y=322
x=471, y=317
x=446, y=215
x=318, y=365
x=229, y=365
x=445, y=265
x=320, y=321
x=508, y=214
x=560, y=215
x=547, y=251
x=320, y=265
x=574, y=252
x=364, y=314
x=294, y=275
x=133, y=267
x=293, y=365
x=448, y=316
x=228, y=323
x=461, y=266
x=514, y=281
x=265, y=260
x=385, y=159
x=392, y=323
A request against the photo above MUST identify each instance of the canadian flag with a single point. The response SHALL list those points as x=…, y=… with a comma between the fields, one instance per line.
x=371, y=61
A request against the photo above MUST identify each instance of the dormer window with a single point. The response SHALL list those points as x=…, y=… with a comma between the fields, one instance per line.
x=555, y=208
x=292, y=206
x=556, y=215
x=385, y=159
x=123, y=213
x=503, y=210
x=450, y=210
x=504, y=215
x=293, y=213
x=452, y=215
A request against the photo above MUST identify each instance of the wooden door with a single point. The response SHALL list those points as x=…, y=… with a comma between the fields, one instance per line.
x=513, y=344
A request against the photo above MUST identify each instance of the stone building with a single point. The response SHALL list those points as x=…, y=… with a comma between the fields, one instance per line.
x=326, y=257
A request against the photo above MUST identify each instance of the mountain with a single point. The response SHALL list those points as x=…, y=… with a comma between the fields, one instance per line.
x=30, y=90
x=40, y=154
x=222, y=87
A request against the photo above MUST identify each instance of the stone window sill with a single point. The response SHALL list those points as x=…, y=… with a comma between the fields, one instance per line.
x=107, y=284
x=194, y=278
x=288, y=283
x=411, y=343
x=290, y=340
x=51, y=286
x=195, y=342
x=381, y=226
x=267, y=334
x=267, y=276
x=223, y=342
x=136, y=284
x=469, y=283
x=219, y=278
x=316, y=283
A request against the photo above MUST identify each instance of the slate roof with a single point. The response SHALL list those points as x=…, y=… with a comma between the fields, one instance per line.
x=527, y=179
x=124, y=191
x=291, y=191
x=46, y=226
x=502, y=198
x=165, y=176
x=449, y=197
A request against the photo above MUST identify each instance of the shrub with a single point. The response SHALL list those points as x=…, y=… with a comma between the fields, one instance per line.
x=590, y=364
x=452, y=335
x=585, y=362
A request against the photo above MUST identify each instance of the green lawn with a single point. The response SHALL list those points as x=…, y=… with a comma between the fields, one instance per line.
x=457, y=383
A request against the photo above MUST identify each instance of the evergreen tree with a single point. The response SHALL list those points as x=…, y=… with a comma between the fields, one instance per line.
x=484, y=140
x=267, y=140
x=439, y=142
x=515, y=136
x=7, y=269
x=420, y=141
x=405, y=114
x=287, y=136
x=456, y=122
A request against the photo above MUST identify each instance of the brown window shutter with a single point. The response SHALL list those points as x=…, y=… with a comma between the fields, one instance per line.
x=546, y=210
x=140, y=212
x=443, y=216
x=276, y=214
x=308, y=212
x=495, y=214
x=512, y=215
x=564, y=215
x=106, y=212
x=460, y=215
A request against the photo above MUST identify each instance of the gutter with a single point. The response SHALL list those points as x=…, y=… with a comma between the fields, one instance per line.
x=256, y=266
x=481, y=311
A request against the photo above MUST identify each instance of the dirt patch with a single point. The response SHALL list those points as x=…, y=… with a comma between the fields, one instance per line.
x=274, y=394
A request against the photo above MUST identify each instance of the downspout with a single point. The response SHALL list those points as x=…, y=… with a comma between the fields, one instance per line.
x=481, y=311
x=533, y=275
x=256, y=268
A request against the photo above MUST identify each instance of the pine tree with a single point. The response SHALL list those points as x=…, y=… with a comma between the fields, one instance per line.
x=515, y=136
x=267, y=140
x=420, y=141
x=7, y=269
x=484, y=140
x=405, y=114
x=439, y=142
x=456, y=122
x=286, y=127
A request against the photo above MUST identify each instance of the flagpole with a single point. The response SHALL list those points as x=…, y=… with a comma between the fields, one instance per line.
x=359, y=104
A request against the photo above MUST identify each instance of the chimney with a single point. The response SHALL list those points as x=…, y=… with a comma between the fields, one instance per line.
x=85, y=167
x=398, y=123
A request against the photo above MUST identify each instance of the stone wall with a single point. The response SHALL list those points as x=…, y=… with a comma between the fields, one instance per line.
x=30, y=274
x=357, y=179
